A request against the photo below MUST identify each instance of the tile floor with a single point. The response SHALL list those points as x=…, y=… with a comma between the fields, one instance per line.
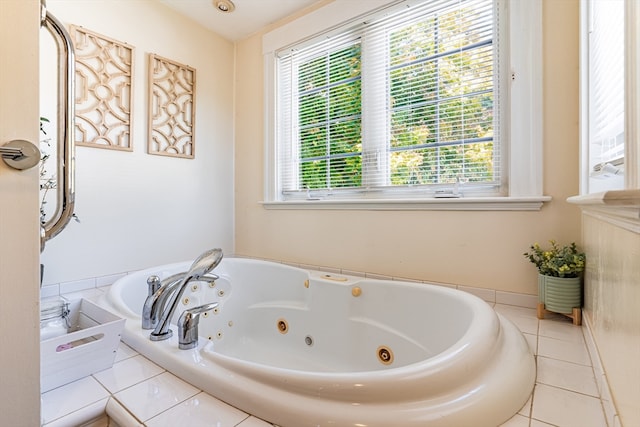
x=565, y=394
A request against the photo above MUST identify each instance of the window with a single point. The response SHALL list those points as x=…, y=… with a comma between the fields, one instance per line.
x=324, y=121
x=604, y=116
x=403, y=104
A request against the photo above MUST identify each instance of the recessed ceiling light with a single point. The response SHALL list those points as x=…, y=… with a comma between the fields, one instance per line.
x=225, y=6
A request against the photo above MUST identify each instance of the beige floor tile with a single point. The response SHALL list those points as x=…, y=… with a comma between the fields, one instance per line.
x=201, y=410
x=517, y=421
x=568, y=351
x=536, y=423
x=564, y=408
x=155, y=395
x=567, y=375
x=524, y=318
x=127, y=373
x=526, y=409
x=561, y=329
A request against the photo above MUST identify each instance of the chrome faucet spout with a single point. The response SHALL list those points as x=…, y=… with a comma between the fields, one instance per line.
x=200, y=267
x=155, y=302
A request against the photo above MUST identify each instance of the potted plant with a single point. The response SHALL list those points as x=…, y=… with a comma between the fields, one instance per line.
x=560, y=271
x=48, y=180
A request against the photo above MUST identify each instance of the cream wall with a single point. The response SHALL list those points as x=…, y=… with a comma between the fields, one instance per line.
x=139, y=210
x=19, y=227
x=482, y=249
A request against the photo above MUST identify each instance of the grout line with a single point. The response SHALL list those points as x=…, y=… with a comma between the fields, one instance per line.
x=565, y=361
x=569, y=390
x=248, y=416
x=533, y=395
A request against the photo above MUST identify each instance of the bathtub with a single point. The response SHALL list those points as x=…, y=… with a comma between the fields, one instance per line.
x=299, y=348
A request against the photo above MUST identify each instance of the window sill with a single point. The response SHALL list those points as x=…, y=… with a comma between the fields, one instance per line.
x=431, y=204
x=615, y=198
x=619, y=207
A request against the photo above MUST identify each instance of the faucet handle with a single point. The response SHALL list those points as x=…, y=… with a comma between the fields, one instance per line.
x=188, y=325
x=153, y=283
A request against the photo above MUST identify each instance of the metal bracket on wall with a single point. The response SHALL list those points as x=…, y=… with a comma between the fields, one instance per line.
x=20, y=154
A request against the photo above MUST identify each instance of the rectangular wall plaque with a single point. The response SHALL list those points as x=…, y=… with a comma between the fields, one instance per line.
x=104, y=87
x=171, y=108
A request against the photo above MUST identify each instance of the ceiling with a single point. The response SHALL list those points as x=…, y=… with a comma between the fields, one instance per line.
x=248, y=17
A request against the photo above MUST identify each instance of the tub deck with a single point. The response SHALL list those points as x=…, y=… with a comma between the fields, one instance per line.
x=304, y=350
x=559, y=399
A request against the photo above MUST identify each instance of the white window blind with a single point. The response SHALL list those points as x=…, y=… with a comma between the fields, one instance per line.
x=606, y=89
x=404, y=103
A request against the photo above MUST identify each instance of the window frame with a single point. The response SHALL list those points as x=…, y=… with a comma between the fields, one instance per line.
x=631, y=179
x=594, y=180
x=522, y=120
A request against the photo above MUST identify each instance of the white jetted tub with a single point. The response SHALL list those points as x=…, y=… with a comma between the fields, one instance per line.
x=299, y=348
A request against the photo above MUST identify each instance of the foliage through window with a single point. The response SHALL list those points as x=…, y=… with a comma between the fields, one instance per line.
x=329, y=119
x=407, y=102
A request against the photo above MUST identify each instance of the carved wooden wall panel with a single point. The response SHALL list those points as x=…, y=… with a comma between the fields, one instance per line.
x=104, y=87
x=171, y=108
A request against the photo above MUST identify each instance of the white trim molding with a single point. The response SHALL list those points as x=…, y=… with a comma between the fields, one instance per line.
x=444, y=204
x=526, y=124
x=632, y=90
x=617, y=207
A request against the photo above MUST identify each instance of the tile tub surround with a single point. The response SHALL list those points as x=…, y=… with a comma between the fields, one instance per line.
x=489, y=295
x=136, y=392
